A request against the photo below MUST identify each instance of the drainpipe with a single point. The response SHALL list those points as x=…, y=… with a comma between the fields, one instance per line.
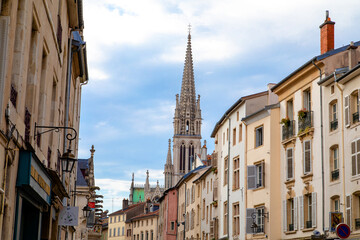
x=342, y=140
x=228, y=183
x=185, y=211
x=244, y=189
x=322, y=151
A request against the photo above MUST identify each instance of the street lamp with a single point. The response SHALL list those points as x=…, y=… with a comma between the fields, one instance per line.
x=68, y=161
x=86, y=211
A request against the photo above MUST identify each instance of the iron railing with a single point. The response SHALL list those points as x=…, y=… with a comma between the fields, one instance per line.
x=335, y=175
x=288, y=130
x=333, y=125
x=305, y=121
x=355, y=117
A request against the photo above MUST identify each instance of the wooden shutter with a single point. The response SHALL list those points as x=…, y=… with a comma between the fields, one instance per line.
x=313, y=209
x=284, y=216
x=4, y=33
x=307, y=156
x=289, y=157
x=215, y=190
x=353, y=158
x=251, y=177
x=263, y=174
x=295, y=213
x=347, y=111
x=348, y=211
x=249, y=220
x=301, y=212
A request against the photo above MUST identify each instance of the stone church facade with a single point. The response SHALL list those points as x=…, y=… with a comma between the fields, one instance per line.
x=187, y=126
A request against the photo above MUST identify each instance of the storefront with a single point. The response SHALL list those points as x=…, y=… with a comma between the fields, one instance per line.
x=33, y=196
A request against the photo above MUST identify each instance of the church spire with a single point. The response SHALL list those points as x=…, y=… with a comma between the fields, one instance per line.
x=168, y=159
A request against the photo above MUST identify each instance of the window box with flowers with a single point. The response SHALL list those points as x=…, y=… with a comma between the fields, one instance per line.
x=302, y=114
x=285, y=121
x=214, y=170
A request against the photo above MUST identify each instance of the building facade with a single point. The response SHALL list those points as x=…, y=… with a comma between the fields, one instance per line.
x=168, y=214
x=42, y=69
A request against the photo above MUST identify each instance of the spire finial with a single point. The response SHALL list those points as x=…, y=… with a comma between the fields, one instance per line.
x=189, y=27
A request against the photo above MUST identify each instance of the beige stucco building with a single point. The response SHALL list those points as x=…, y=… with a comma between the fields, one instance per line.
x=304, y=156
x=342, y=145
x=263, y=195
x=145, y=226
x=42, y=68
x=189, y=204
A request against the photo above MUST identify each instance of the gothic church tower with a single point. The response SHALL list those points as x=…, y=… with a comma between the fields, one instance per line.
x=187, y=124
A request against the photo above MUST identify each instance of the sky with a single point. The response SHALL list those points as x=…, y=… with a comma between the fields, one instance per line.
x=136, y=52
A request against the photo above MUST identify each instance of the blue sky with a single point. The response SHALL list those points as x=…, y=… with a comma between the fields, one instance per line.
x=136, y=52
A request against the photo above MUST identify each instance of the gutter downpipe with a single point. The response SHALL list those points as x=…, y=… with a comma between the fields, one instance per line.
x=342, y=139
x=228, y=183
x=185, y=211
x=244, y=189
x=322, y=152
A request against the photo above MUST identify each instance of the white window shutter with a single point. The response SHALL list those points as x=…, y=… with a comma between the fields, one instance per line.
x=347, y=111
x=295, y=213
x=249, y=220
x=284, y=216
x=4, y=33
x=348, y=211
x=313, y=209
x=301, y=212
x=251, y=177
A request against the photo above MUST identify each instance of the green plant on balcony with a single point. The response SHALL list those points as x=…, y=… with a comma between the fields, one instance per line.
x=215, y=203
x=285, y=121
x=302, y=114
x=214, y=170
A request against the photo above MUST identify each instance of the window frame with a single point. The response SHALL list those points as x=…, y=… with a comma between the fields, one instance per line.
x=305, y=172
x=287, y=164
x=259, y=138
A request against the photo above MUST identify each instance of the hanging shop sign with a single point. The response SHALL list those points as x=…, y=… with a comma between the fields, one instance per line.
x=33, y=177
x=69, y=216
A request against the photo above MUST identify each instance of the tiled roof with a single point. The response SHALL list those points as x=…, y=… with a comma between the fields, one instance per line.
x=80, y=179
x=146, y=215
x=121, y=211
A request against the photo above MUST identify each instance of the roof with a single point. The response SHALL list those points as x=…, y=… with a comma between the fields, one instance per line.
x=236, y=104
x=266, y=108
x=316, y=58
x=122, y=211
x=146, y=215
x=165, y=193
x=204, y=174
x=80, y=179
x=354, y=69
x=187, y=175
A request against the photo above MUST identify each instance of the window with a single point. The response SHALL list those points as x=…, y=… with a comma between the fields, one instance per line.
x=308, y=211
x=118, y=232
x=307, y=100
x=225, y=170
x=119, y=218
x=356, y=209
x=225, y=217
x=333, y=116
x=207, y=187
x=207, y=214
x=289, y=164
x=352, y=107
x=236, y=173
x=198, y=214
x=172, y=225
x=203, y=209
x=290, y=214
x=234, y=136
x=192, y=194
x=111, y=219
x=192, y=218
x=259, y=136
x=260, y=219
x=237, y=115
x=355, y=157
x=240, y=132
x=223, y=138
x=335, y=204
x=110, y=230
x=147, y=222
x=236, y=219
x=334, y=163
x=307, y=156
x=255, y=178
x=290, y=109
x=255, y=220
x=227, y=134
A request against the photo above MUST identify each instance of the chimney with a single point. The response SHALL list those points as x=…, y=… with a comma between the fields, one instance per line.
x=125, y=203
x=352, y=55
x=327, y=34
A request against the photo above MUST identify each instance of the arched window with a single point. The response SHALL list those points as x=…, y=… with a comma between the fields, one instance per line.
x=187, y=126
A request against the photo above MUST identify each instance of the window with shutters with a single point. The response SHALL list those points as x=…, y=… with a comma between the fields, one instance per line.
x=335, y=204
x=240, y=132
x=289, y=164
x=236, y=173
x=307, y=100
x=4, y=33
x=255, y=220
x=308, y=208
x=334, y=163
x=355, y=106
x=259, y=136
x=290, y=109
x=348, y=203
x=307, y=156
x=355, y=157
x=234, y=136
x=356, y=210
x=192, y=218
x=225, y=217
x=236, y=219
x=225, y=170
x=193, y=194
x=255, y=175
x=260, y=223
x=203, y=209
x=207, y=214
x=291, y=214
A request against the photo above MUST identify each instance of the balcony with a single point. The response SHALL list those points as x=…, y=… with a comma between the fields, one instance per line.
x=357, y=223
x=288, y=130
x=356, y=117
x=309, y=224
x=335, y=175
x=305, y=121
x=334, y=125
x=291, y=227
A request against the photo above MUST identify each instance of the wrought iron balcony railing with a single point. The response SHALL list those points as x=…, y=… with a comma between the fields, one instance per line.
x=291, y=227
x=306, y=121
x=333, y=125
x=356, y=117
x=288, y=130
x=335, y=175
x=309, y=224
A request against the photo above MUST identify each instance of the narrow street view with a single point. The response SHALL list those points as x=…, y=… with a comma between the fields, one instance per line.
x=179, y=120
